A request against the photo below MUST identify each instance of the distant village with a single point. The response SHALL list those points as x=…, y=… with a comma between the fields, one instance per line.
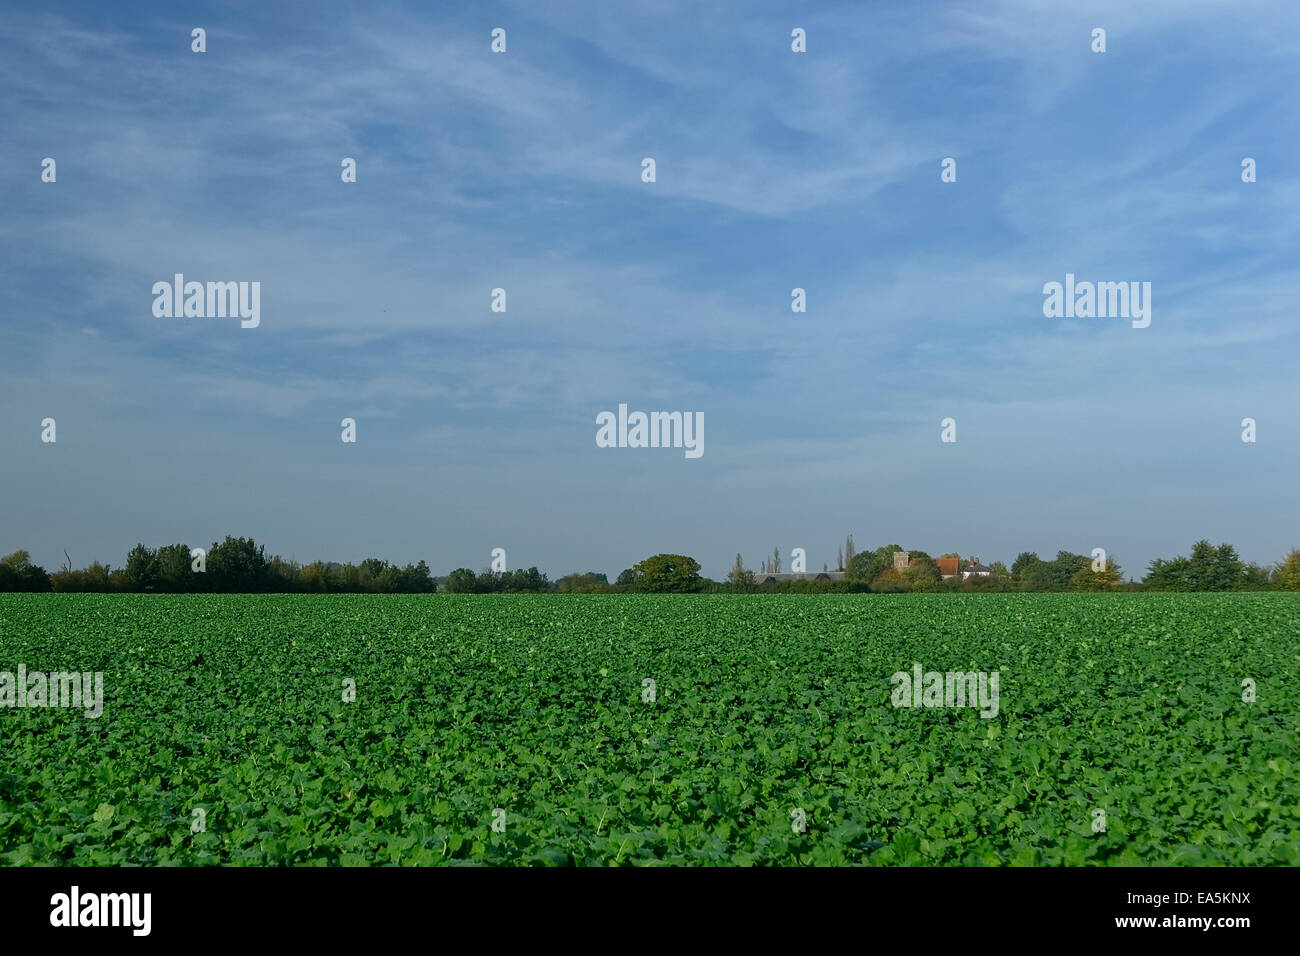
x=949, y=568
x=240, y=565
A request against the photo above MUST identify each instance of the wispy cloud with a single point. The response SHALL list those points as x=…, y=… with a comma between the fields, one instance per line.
x=775, y=170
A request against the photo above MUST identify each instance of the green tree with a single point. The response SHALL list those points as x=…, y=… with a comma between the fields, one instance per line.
x=1229, y=569
x=313, y=578
x=373, y=576
x=1209, y=568
x=1065, y=566
x=1286, y=576
x=17, y=573
x=1201, y=566
x=175, y=570
x=588, y=583
x=142, y=569
x=1086, y=579
x=461, y=581
x=669, y=573
x=97, y=578
x=415, y=579
x=866, y=566
x=1024, y=560
x=237, y=565
x=889, y=581
x=922, y=573
x=1255, y=578
x=346, y=578
x=1215, y=569
x=738, y=576
x=522, y=579
x=1173, y=574
x=1025, y=563
x=282, y=575
x=1030, y=573
x=1000, y=578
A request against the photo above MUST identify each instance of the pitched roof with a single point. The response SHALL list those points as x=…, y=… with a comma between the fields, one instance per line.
x=772, y=577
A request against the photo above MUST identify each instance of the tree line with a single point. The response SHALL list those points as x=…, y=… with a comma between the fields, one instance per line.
x=235, y=565
x=239, y=565
x=1207, y=568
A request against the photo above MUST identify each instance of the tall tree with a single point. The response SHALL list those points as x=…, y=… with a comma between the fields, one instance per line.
x=237, y=565
x=17, y=573
x=1229, y=570
x=739, y=576
x=176, y=573
x=1255, y=577
x=1086, y=579
x=142, y=568
x=869, y=565
x=1024, y=560
x=1207, y=569
x=1286, y=577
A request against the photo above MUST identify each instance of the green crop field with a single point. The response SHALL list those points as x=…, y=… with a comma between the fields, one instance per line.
x=526, y=730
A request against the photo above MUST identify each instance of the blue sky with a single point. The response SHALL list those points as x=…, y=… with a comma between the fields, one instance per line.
x=775, y=170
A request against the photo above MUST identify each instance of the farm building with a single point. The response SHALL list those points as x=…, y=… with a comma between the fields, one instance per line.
x=768, y=577
x=948, y=567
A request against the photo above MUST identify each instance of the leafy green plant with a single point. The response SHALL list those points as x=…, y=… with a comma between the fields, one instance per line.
x=537, y=705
